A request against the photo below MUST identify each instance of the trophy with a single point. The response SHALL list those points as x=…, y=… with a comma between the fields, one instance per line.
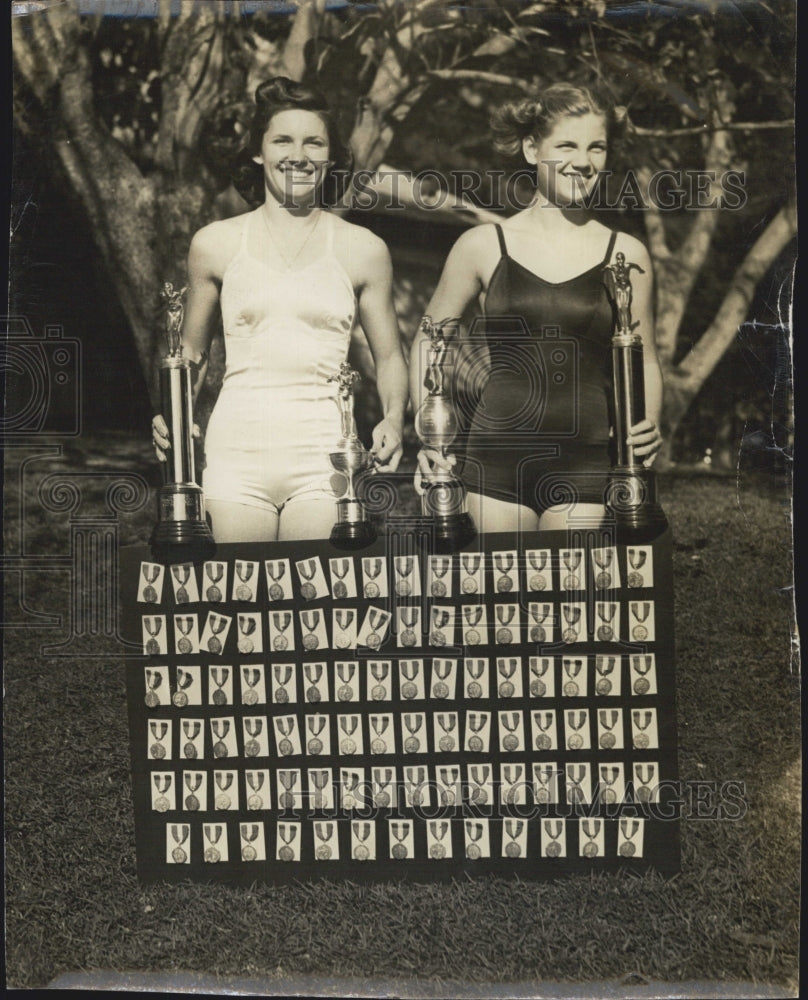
x=632, y=490
x=181, y=530
x=350, y=457
x=444, y=497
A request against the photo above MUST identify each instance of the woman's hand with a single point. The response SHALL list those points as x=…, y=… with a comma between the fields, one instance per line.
x=161, y=439
x=428, y=461
x=646, y=441
x=386, y=448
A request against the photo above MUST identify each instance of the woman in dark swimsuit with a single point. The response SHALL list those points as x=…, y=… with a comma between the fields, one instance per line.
x=538, y=447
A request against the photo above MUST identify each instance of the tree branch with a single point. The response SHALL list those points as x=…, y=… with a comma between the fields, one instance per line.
x=305, y=27
x=483, y=77
x=665, y=133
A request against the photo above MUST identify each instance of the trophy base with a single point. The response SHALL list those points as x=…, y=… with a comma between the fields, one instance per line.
x=352, y=530
x=181, y=534
x=631, y=497
x=443, y=502
x=451, y=532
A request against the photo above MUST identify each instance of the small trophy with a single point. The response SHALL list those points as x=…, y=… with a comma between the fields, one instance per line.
x=444, y=498
x=632, y=491
x=351, y=458
x=181, y=529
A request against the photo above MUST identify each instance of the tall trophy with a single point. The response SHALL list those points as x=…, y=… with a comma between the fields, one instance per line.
x=444, y=497
x=632, y=490
x=351, y=458
x=181, y=531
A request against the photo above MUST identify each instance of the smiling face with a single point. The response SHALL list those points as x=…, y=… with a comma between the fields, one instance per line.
x=294, y=155
x=569, y=158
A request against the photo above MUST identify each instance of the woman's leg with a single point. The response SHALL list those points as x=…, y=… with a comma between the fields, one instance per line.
x=307, y=519
x=578, y=515
x=239, y=522
x=490, y=514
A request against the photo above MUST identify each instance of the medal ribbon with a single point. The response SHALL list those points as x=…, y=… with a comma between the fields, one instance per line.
x=408, y=722
x=348, y=724
x=637, y=559
x=371, y=568
x=605, y=773
x=153, y=679
x=254, y=727
x=224, y=779
x=500, y=609
x=571, y=719
x=282, y=616
x=606, y=612
x=185, y=624
x=313, y=672
x=276, y=570
x=539, y=667
x=310, y=722
x=548, y=716
x=572, y=668
x=503, y=565
x=650, y=773
x=167, y=783
x=409, y=617
x=572, y=615
x=255, y=779
x=323, y=831
x=163, y=729
x=308, y=569
x=244, y=570
x=249, y=834
x=287, y=832
x=225, y=727
x=246, y=625
x=180, y=834
x=379, y=670
x=474, y=831
x=276, y=670
x=442, y=668
x=589, y=831
x=470, y=563
x=553, y=828
x=647, y=717
x=635, y=610
x=537, y=566
x=475, y=668
x=403, y=566
x=191, y=729
x=310, y=619
x=604, y=665
x=288, y=779
x=181, y=573
x=434, y=826
x=572, y=560
x=217, y=623
x=153, y=625
x=440, y=566
x=514, y=828
x=361, y=831
x=150, y=572
x=350, y=672
x=603, y=713
x=641, y=670
x=214, y=567
x=409, y=668
x=450, y=719
x=626, y=824
x=192, y=782
x=220, y=675
x=603, y=561
x=539, y=612
x=472, y=614
x=280, y=725
x=476, y=777
x=477, y=722
x=513, y=725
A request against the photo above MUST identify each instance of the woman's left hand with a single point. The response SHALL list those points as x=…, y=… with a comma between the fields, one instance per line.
x=386, y=448
x=646, y=441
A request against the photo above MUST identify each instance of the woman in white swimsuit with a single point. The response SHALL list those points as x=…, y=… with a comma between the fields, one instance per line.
x=291, y=279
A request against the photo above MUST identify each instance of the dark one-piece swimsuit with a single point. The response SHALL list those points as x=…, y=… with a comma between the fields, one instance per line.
x=540, y=405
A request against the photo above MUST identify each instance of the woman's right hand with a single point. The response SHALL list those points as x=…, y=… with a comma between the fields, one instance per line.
x=428, y=461
x=161, y=439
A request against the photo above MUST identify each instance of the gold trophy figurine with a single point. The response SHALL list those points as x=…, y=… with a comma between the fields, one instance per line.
x=632, y=491
x=181, y=530
x=444, y=498
x=351, y=458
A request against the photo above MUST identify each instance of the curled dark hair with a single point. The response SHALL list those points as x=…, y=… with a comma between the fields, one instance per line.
x=282, y=94
x=535, y=117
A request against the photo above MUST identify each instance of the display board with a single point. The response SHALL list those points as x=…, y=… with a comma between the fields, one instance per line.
x=298, y=711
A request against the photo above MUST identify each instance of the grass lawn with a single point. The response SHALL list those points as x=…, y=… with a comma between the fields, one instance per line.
x=73, y=902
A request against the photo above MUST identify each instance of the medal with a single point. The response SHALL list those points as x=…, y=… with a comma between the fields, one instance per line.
x=250, y=676
x=158, y=731
x=153, y=627
x=382, y=796
x=543, y=740
x=604, y=665
x=470, y=565
x=378, y=724
x=538, y=669
x=504, y=634
x=219, y=676
x=250, y=835
x=507, y=669
x=281, y=621
x=345, y=672
x=643, y=792
x=287, y=833
x=479, y=796
x=639, y=631
x=379, y=672
x=510, y=741
x=608, y=777
x=474, y=832
x=348, y=724
x=474, y=669
x=504, y=583
x=153, y=681
x=437, y=850
x=572, y=668
x=313, y=672
x=448, y=778
x=608, y=720
x=441, y=669
x=223, y=783
x=181, y=575
x=627, y=848
x=399, y=831
x=255, y=779
x=539, y=613
x=636, y=560
x=323, y=831
x=220, y=732
x=575, y=792
x=447, y=723
x=307, y=571
x=150, y=574
x=361, y=853
x=409, y=619
x=590, y=848
x=537, y=581
x=572, y=560
x=315, y=744
x=288, y=780
x=191, y=731
x=375, y=619
x=214, y=571
x=345, y=620
x=372, y=569
x=253, y=728
x=475, y=744
x=642, y=666
x=403, y=567
x=572, y=616
x=179, y=834
x=514, y=831
x=476, y=724
x=440, y=567
x=541, y=791
x=440, y=619
x=192, y=783
x=161, y=802
x=320, y=780
x=246, y=627
x=472, y=615
x=350, y=783
x=603, y=560
x=244, y=571
x=641, y=739
x=217, y=625
x=184, y=626
x=575, y=740
x=605, y=613
x=275, y=571
x=339, y=570
x=310, y=621
x=553, y=829
x=361, y=832
x=409, y=671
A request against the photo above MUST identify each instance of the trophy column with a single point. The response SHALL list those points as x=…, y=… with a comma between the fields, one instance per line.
x=444, y=498
x=352, y=529
x=631, y=495
x=181, y=531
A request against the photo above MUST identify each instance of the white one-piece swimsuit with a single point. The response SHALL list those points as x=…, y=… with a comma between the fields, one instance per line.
x=276, y=418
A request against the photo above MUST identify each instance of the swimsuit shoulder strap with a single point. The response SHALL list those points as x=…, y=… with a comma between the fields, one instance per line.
x=329, y=238
x=501, y=237
x=609, y=249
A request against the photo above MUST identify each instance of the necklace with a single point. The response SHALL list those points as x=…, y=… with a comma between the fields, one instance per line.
x=287, y=261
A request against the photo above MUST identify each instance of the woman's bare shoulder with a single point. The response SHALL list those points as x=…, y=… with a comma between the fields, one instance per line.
x=635, y=250
x=213, y=246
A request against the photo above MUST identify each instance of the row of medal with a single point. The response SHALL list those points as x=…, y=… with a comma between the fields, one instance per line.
x=396, y=840
x=466, y=573
x=474, y=787
x=444, y=625
x=408, y=733
x=479, y=678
